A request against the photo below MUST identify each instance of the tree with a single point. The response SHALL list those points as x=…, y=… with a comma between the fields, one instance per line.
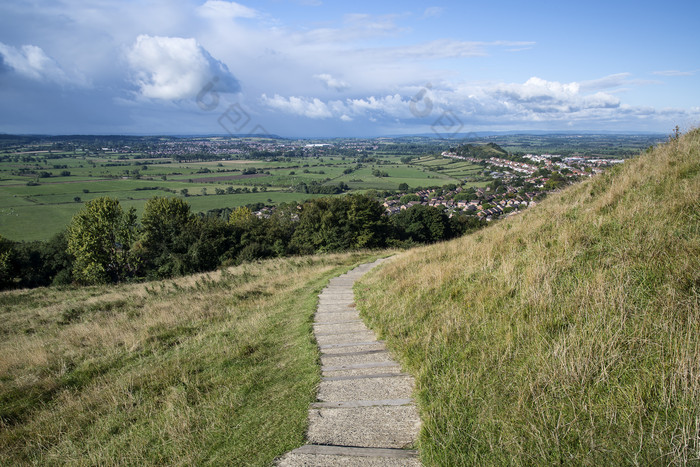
x=336, y=224
x=423, y=224
x=403, y=187
x=366, y=222
x=408, y=198
x=241, y=217
x=5, y=262
x=100, y=238
x=555, y=182
x=164, y=239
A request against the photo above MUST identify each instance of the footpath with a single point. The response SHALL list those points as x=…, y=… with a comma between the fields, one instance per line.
x=364, y=414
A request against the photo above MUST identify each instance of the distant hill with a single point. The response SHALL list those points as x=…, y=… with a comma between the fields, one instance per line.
x=569, y=334
x=481, y=151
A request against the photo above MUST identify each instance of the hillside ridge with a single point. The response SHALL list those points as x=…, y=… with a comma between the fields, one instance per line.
x=565, y=334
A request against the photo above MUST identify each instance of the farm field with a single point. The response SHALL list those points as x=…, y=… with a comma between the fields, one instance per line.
x=40, y=190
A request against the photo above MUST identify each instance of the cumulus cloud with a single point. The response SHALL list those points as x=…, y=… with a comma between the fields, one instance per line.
x=551, y=96
x=173, y=68
x=532, y=101
x=306, y=107
x=390, y=106
x=30, y=61
x=332, y=83
x=370, y=66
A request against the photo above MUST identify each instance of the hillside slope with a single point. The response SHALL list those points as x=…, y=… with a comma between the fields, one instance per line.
x=568, y=334
x=482, y=151
x=215, y=368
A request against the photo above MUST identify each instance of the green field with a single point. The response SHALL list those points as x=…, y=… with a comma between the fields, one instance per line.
x=62, y=184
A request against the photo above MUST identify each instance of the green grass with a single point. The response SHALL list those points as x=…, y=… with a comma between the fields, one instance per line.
x=569, y=334
x=216, y=368
x=38, y=212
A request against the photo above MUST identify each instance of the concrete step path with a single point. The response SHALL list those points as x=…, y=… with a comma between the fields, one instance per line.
x=364, y=414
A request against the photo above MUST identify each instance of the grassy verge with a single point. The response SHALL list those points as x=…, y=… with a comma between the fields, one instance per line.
x=215, y=368
x=569, y=334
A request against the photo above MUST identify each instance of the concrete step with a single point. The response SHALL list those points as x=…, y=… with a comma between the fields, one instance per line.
x=345, y=338
x=385, y=426
x=400, y=387
x=332, y=456
x=341, y=328
x=345, y=315
x=364, y=415
x=393, y=368
x=359, y=366
x=335, y=349
x=353, y=358
x=337, y=308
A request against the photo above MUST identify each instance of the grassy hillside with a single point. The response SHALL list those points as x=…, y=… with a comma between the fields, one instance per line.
x=569, y=334
x=481, y=151
x=216, y=368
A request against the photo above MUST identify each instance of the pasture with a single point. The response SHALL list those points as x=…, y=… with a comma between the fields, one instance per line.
x=40, y=191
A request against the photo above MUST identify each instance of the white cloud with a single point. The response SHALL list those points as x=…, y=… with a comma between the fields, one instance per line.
x=440, y=49
x=306, y=107
x=392, y=105
x=674, y=73
x=30, y=61
x=221, y=9
x=332, y=83
x=536, y=100
x=542, y=96
x=370, y=66
x=606, y=82
x=536, y=89
x=356, y=27
x=172, y=68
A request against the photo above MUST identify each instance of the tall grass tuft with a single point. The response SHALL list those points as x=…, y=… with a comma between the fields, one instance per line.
x=569, y=334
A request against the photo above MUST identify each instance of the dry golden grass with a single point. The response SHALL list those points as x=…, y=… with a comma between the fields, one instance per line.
x=569, y=334
x=216, y=367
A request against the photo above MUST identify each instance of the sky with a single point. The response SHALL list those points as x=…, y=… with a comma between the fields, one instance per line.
x=321, y=68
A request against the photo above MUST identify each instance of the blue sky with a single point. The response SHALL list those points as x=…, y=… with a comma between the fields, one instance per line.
x=321, y=68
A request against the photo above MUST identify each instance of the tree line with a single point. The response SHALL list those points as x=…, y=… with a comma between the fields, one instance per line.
x=106, y=244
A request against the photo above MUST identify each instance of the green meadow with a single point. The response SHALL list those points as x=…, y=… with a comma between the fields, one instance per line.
x=39, y=195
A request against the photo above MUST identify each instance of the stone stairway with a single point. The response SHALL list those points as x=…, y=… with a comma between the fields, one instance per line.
x=364, y=415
